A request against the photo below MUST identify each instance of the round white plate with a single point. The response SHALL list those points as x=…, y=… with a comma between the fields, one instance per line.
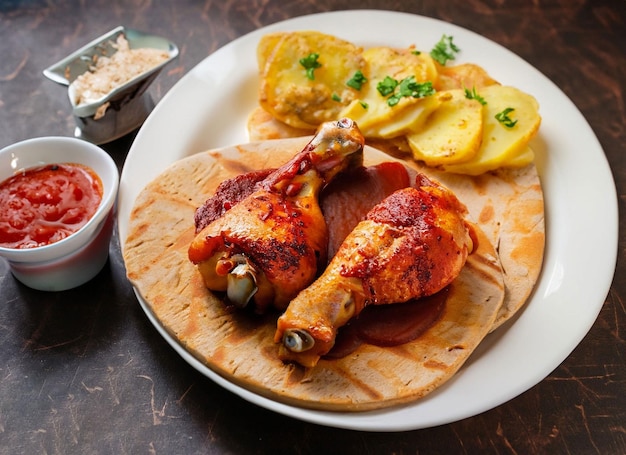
x=209, y=107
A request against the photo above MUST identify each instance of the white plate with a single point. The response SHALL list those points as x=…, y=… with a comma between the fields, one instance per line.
x=209, y=106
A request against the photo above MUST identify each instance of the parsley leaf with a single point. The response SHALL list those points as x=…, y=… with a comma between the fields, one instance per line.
x=387, y=86
x=336, y=97
x=408, y=87
x=357, y=81
x=473, y=95
x=503, y=117
x=444, y=50
x=310, y=63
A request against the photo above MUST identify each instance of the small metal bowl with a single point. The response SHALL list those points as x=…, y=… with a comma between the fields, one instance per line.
x=129, y=104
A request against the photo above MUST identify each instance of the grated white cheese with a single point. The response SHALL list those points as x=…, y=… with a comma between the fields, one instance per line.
x=108, y=73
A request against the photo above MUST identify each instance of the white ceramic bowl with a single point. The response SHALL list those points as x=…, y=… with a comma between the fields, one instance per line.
x=79, y=257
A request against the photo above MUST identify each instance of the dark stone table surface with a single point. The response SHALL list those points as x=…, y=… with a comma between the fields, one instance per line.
x=84, y=371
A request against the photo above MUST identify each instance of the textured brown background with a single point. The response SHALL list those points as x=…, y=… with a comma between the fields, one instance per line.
x=83, y=371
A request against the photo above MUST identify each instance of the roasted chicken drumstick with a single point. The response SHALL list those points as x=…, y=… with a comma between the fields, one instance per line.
x=268, y=246
x=411, y=245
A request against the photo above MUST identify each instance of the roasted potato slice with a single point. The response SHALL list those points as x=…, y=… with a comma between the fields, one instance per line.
x=503, y=140
x=465, y=75
x=391, y=124
x=411, y=118
x=452, y=133
x=263, y=126
x=524, y=158
x=372, y=112
x=303, y=76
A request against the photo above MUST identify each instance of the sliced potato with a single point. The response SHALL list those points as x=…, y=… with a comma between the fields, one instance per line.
x=398, y=63
x=500, y=143
x=466, y=75
x=263, y=126
x=266, y=48
x=452, y=134
x=444, y=129
x=524, y=158
x=412, y=118
x=403, y=120
x=298, y=98
x=371, y=110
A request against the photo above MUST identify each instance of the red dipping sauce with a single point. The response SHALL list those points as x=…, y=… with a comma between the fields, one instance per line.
x=43, y=205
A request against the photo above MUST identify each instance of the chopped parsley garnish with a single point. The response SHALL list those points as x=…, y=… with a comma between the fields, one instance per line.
x=310, y=63
x=503, y=117
x=407, y=87
x=357, y=81
x=416, y=52
x=336, y=97
x=364, y=105
x=473, y=95
x=444, y=50
x=387, y=86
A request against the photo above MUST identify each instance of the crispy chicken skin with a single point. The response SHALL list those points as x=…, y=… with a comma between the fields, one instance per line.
x=268, y=246
x=411, y=245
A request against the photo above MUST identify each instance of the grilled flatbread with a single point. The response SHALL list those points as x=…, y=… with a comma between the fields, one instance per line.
x=240, y=347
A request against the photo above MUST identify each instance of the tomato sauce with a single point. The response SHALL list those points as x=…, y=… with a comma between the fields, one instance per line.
x=43, y=205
